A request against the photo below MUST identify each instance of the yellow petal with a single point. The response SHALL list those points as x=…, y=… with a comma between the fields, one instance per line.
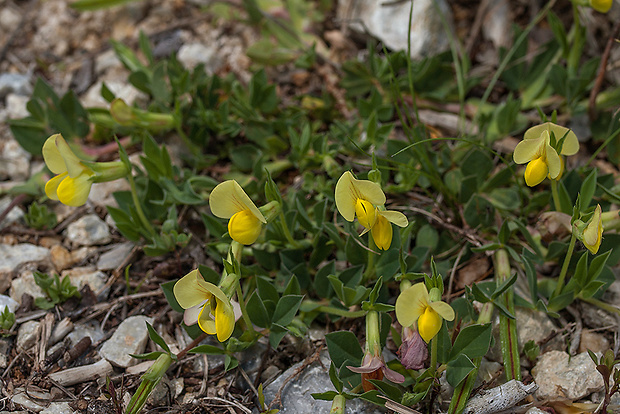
x=443, y=309
x=74, y=191
x=244, y=227
x=601, y=6
x=349, y=190
x=536, y=171
x=366, y=213
x=189, y=292
x=553, y=162
x=411, y=303
x=593, y=233
x=73, y=164
x=395, y=217
x=205, y=320
x=345, y=196
x=528, y=149
x=224, y=320
x=228, y=198
x=52, y=157
x=382, y=233
x=51, y=187
x=429, y=324
x=571, y=142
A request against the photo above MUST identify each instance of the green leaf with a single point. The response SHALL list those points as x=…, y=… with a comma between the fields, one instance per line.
x=266, y=290
x=343, y=346
x=458, y=369
x=473, y=341
x=207, y=349
x=90, y=5
x=587, y=189
x=155, y=337
x=148, y=356
x=597, y=265
x=286, y=309
x=167, y=288
x=325, y=396
x=258, y=312
x=333, y=376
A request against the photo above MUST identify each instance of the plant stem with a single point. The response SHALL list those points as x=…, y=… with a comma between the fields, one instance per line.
x=338, y=404
x=507, y=326
x=338, y=312
x=192, y=345
x=138, y=205
x=433, y=367
x=569, y=253
x=244, y=311
x=370, y=264
x=287, y=232
x=462, y=391
x=555, y=195
x=605, y=306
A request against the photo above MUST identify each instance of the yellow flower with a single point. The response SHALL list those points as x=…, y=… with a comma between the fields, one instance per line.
x=364, y=199
x=542, y=159
x=382, y=230
x=216, y=313
x=593, y=233
x=414, y=304
x=72, y=184
x=228, y=200
x=601, y=6
x=358, y=198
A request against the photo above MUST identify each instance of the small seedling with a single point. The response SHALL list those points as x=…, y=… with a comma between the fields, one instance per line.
x=39, y=217
x=57, y=291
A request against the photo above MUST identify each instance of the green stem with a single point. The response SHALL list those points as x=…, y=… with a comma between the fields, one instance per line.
x=507, y=326
x=463, y=390
x=433, y=367
x=605, y=306
x=556, y=196
x=244, y=311
x=138, y=205
x=562, y=277
x=370, y=264
x=338, y=405
x=336, y=311
x=287, y=232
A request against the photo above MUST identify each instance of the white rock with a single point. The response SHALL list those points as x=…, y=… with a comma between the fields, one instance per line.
x=7, y=301
x=88, y=275
x=560, y=376
x=389, y=22
x=497, y=23
x=16, y=106
x=88, y=230
x=101, y=194
x=121, y=89
x=58, y=408
x=14, y=215
x=20, y=397
x=25, y=284
x=27, y=334
x=9, y=18
x=192, y=54
x=14, y=256
x=130, y=337
x=90, y=329
x=114, y=257
x=14, y=83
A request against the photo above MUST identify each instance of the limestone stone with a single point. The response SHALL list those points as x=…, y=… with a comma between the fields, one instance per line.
x=559, y=375
x=88, y=230
x=389, y=23
x=130, y=337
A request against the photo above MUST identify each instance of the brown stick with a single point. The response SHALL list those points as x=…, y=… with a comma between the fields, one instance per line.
x=601, y=73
